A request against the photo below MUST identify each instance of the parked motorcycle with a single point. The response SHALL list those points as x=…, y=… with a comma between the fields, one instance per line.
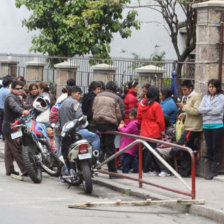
x=36, y=152
x=80, y=156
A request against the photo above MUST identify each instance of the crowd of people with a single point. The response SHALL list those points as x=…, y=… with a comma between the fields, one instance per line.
x=153, y=113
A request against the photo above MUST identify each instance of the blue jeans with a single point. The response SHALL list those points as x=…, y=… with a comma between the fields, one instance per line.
x=91, y=137
x=129, y=162
x=58, y=143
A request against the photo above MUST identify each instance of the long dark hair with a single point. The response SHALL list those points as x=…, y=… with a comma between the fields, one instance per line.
x=129, y=85
x=216, y=83
x=44, y=86
x=152, y=95
x=166, y=91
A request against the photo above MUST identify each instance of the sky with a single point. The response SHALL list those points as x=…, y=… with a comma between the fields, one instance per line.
x=16, y=39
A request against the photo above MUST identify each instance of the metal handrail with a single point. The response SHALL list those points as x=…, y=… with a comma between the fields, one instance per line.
x=143, y=140
x=153, y=152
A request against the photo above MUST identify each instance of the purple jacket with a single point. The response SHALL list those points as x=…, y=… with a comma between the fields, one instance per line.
x=132, y=128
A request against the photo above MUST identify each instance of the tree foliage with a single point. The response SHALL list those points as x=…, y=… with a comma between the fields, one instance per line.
x=77, y=27
x=169, y=10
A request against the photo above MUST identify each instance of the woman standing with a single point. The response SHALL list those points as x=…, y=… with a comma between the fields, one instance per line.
x=33, y=93
x=169, y=107
x=130, y=99
x=150, y=116
x=211, y=108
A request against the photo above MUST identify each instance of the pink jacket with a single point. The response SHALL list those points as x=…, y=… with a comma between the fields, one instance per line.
x=131, y=128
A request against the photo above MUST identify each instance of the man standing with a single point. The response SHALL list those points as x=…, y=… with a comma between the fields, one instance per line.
x=4, y=91
x=13, y=109
x=71, y=109
x=108, y=111
x=192, y=125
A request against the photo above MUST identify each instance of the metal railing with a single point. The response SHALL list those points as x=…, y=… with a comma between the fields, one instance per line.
x=124, y=72
x=143, y=141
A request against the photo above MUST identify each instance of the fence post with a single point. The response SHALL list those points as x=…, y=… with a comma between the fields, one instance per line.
x=104, y=72
x=140, y=165
x=193, y=171
x=65, y=70
x=34, y=71
x=8, y=67
x=150, y=74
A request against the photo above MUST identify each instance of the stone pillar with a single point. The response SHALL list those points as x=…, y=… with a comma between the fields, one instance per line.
x=8, y=67
x=150, y=74
x=34, y=72
x=65, y=70
x=207, y=58
x=104, y=72
x=207, y=50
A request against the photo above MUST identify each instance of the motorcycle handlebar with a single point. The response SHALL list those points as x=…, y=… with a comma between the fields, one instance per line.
x=17, y=121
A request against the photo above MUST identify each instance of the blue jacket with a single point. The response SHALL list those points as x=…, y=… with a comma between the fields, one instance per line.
x=169, y=108
x=4, y=91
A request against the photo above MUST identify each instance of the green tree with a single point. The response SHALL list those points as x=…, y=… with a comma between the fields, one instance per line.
x=77, y=27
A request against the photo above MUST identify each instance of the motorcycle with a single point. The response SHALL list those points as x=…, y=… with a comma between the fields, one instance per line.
x=36, y=152
x=80, y=156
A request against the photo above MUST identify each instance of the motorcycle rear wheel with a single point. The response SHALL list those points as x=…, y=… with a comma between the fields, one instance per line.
x=87, y=177
x=77, y=182
x=31, y=164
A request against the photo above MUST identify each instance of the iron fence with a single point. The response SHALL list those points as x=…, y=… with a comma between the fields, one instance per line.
x=125, y=69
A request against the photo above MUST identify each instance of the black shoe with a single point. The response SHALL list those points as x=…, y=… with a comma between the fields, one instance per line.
x=211, y=175
x=13, y=172
x=24, y=174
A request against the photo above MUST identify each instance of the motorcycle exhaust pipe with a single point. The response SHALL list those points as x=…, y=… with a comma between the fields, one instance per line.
x=95, y=153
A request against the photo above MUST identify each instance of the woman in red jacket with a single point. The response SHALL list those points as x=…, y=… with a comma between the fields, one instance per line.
x=130, y=99
x=151, y=119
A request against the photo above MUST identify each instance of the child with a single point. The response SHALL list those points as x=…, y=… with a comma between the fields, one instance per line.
x=51, y=138
x=129, y=157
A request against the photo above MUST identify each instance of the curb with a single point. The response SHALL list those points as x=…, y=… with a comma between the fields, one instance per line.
x=198, y=210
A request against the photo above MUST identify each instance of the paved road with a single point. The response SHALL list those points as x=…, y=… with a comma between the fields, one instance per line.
x=25, y=202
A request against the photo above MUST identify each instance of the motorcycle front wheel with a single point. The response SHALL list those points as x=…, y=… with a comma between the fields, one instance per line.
x=32, y=164
x=87, y=177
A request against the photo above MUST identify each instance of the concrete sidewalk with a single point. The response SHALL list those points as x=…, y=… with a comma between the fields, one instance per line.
x=211, y=191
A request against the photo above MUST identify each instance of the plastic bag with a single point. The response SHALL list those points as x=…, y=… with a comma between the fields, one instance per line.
x=179, y=129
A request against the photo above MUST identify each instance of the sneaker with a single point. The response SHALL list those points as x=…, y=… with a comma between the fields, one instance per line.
x=164, y=174
x=153, y=173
